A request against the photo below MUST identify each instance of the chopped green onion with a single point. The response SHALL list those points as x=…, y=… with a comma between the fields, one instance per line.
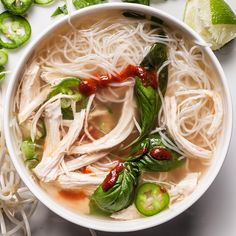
x=28, y=149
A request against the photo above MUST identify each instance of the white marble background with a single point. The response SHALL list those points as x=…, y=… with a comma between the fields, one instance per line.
x=214, y=214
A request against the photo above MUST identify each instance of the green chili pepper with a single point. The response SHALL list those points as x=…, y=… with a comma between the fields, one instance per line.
x=151, y=199
x=17, y=7
x=16, y=29
x=44, y=2
x=3, y=57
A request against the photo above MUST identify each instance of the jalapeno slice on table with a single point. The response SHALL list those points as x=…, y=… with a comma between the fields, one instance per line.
x=17, y=7
x=14, y=30
x=44, y=2
x=151, y=199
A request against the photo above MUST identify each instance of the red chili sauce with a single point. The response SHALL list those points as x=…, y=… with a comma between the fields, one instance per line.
x=112, y=177
x=148, y=77
x=72, y=195
x=160, y=154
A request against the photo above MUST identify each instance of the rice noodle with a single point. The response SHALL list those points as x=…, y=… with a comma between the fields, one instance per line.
x=17, y=204
x=108, y=46
x=189, y=121
x=122, y=130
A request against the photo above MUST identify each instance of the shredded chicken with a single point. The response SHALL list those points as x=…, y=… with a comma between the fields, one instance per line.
x=75, y=179
x=31, y=96
x=83, y=160
x=53, y=118
x=122, y=130
x=48, y=169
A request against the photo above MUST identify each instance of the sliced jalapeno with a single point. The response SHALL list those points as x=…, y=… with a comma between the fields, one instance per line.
x=17, y=7
x=3, y=57
x=44, y=2
x=2, y=73
x=14, y=30
x=151, y=199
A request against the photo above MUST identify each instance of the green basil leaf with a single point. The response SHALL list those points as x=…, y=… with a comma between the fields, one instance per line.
x=144, y=2
x=66, y=86
x=133, y=14
x=148, y=106
x=148, y=163
x=85, y=3
x=121, y=195
x=67, y=113
x=154, y=60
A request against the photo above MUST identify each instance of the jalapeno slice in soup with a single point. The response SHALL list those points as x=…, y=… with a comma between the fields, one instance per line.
x=17, y=7
x=14, y=30
x=151, y=199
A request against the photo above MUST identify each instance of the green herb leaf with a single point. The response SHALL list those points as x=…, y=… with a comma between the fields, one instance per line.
x=133, y=14
x=148, y=163
x=144, y=2
x=67, y=113
x=66, y=86
x=60, y=10
x=147, y=100
x=121, y=195
x=85, y=3
x=154, y=60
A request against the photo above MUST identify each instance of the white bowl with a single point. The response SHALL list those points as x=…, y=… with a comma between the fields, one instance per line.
x=106, y=224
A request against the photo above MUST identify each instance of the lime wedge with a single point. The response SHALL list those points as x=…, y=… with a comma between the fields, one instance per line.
x=214, y=20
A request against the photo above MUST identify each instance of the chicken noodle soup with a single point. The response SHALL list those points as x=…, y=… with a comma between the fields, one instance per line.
x=118, y=116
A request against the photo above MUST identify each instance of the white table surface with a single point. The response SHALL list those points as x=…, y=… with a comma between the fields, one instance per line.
x=214, y=214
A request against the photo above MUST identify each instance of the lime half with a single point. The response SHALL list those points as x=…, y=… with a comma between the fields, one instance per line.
x=214, y=20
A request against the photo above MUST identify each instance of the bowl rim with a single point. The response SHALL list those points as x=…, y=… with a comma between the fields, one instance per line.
x=88, y=221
